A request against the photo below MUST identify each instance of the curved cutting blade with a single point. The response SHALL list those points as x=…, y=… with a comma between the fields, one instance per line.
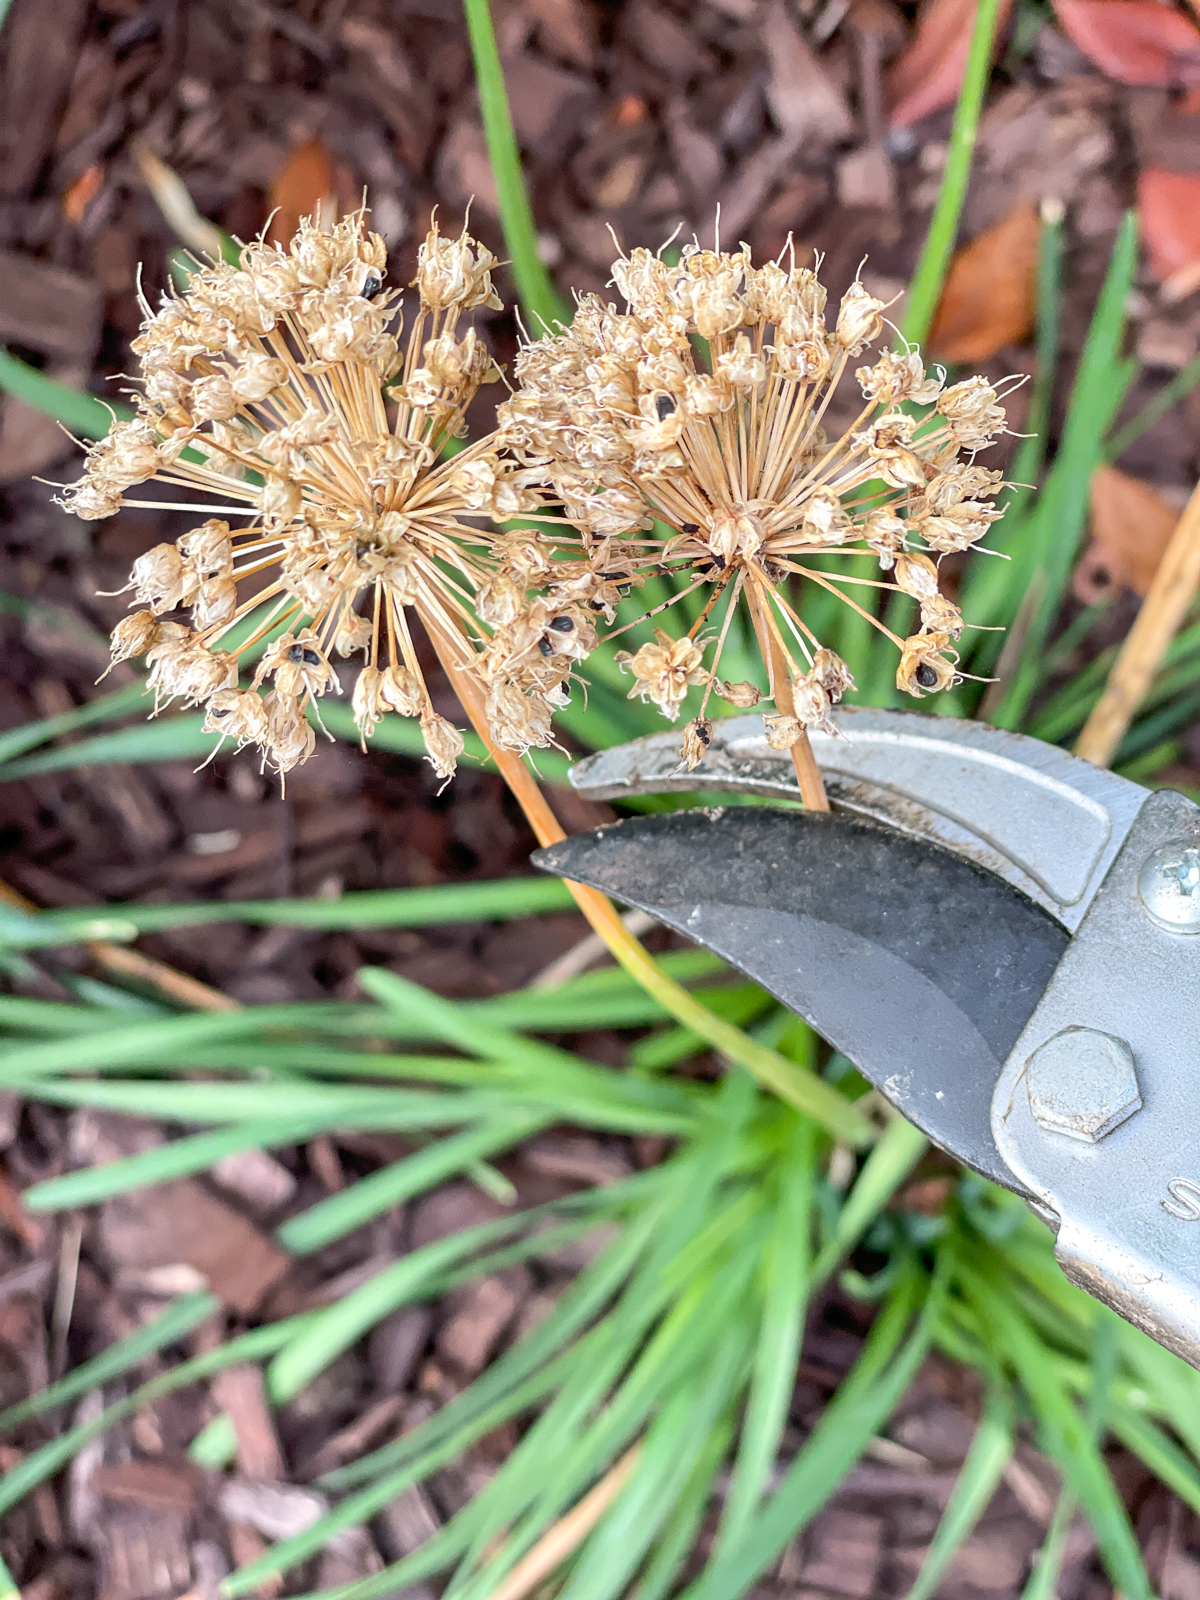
x=920, y=967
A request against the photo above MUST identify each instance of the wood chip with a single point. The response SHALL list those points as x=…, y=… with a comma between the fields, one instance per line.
x=406, y=1522
x=843, y=1550
x=804, y=100
x=42, y=40
x=143, y=1556
x=182, y=1221
x=239, y=1391
x=482, y=1311
x=48, y=308
x=276, y=1510
x=154, y=1485
x=256, y=1177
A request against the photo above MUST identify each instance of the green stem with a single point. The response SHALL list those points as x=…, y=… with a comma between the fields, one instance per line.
x=930, y=275
x=1180, y=386
x=538, y=296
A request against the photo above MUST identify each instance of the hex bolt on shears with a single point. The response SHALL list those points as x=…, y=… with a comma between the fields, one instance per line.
x=1004, y=939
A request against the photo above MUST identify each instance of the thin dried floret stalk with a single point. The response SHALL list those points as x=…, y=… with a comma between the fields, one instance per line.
x=632, y=428
x=279, y=392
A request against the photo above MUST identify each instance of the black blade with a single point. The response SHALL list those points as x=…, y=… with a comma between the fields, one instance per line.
x=917, y=965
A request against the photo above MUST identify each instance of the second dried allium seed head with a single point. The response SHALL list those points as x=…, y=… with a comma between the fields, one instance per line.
x=632, y=429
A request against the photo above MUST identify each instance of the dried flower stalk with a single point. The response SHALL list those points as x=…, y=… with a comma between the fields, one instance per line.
x=632, y=427
x=1171, y=592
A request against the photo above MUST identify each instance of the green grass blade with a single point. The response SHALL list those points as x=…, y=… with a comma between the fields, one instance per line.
x=787, y=1275
x=15, y=741
x=175, y=1159
x=123, y=1045
x=1158, y=1452
x=179, y=1318
x=79, y=412
x=50, y=1458
x=895, y=1155
x=860, y=1408
x=978, y=1481
x=1054, y=530
x=339, y=1215
x=495, y=900
x=537, y=293
x=1180, y=386
x=938, y=248
x=682, y=1529
x=1066, y=1436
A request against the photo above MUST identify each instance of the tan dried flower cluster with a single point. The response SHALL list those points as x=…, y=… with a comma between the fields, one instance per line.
x=279, y=391
x=630, y=427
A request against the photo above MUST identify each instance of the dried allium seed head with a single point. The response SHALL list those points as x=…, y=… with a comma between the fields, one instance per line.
x=628, y=427
x=697, y=737
x=444, y=744
x=237, y=714
x=275, y=390
x=134, y=635
x=923, y=667
x=742, y=695
x=664, y=671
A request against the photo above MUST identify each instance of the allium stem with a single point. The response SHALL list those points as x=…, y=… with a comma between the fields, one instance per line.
x=791, y=1083
x=808, y=774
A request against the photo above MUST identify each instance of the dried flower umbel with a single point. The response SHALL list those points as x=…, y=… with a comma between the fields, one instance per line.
x=268, y=387
x=630, y=427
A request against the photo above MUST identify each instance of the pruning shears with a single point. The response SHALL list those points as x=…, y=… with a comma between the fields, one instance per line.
x=1003, y=938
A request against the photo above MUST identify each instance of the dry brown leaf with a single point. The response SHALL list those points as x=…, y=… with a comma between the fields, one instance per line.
x=990, y=298
x=82, y=192
x=1134, y=41
x=1131, y=525
x=1169, y=217
x=304, y=188
x=928, y=75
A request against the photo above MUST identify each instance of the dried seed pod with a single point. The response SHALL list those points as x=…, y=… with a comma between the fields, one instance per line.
x=923, y=667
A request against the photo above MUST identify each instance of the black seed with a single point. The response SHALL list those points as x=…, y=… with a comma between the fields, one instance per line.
x=703, y=734
x=926, y=676
x=616, y=577
x=689, y=527
x=595, y=605
x=545, y=647
x=665, y=407
x=219, y=711
x=562, y=624
x=296, y=653
x=372, y=284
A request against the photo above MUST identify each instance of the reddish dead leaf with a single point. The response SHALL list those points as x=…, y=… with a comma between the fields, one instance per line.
x=990, y=298
x=1134, y=41
x=629, y=110
x=14, y=1216
x=1169, y=216
x=1131, y=525
x=304, y=188
x=928, y=75
x=82, y=192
